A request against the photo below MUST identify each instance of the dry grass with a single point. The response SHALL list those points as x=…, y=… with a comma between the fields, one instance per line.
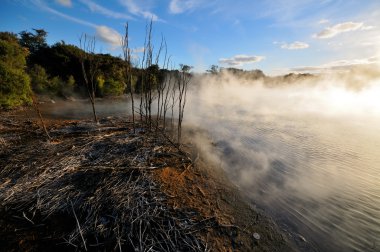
x=99, y=178
x=104, y=188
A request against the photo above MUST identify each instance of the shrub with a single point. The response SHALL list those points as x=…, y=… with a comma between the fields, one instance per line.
x=14, y=82
x=113, y=88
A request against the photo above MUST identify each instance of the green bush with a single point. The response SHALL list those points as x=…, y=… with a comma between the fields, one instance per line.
x=113, y=88
x=39, y=79
x=14, y=82
x=14, y=87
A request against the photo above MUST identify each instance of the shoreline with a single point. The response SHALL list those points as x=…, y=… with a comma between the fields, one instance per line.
x=196, y=200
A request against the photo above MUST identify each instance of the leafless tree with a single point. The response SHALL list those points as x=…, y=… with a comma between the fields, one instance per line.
x=127, y=59
x=160, y=85
x=37, y=109
x=183, y=80
x=166, y=88
x=90, y=66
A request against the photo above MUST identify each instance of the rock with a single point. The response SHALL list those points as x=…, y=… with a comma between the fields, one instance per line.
x=301, y=238
x=256, y=236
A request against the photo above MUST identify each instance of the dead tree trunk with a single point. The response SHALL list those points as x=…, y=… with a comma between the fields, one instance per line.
x=182, y=83
x=127, y=59
x=37, y=109
x=89, y=66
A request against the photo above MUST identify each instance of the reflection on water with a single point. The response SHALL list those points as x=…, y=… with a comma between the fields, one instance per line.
x=318, y=176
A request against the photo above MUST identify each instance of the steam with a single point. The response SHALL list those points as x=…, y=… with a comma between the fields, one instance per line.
x=354, y=93
x=296, y=143
x=232, y=109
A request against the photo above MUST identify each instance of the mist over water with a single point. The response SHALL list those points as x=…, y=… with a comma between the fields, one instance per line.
x=306, y=151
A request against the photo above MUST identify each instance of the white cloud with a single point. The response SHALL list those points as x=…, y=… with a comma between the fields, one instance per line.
x=323, y=21
x=332, y=31
x=297, y=45
x=338, y=65
x=108, y=35
x=139, y=9
x=94, y=7
x=66, y=3
x=179, y=6
x=367, y=28
x=239, y=60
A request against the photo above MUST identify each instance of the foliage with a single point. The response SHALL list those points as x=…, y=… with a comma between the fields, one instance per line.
x=11, y=53
x=57, y=69
x=113, y=87
x=251, y=75
x=33, y=41
x=14, y=82
x=39, y=78
x=43, y=84
x=14, y=87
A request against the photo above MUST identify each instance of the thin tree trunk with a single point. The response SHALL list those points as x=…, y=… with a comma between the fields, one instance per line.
x=37, y=109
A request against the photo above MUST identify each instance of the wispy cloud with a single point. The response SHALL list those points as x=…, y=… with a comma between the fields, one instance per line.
x=94, y=7
x=338, y=65
x=66, y=3
x=44, y=7
x=180, y=6
x=104, y=33
x=323, y=21
x=333, y=31
x=297, y=45
x=240, y=60
x=139, y=9
x=108, y=35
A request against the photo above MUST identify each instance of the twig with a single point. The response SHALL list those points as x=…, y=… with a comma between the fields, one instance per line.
x=23, y=214
x=80, y=230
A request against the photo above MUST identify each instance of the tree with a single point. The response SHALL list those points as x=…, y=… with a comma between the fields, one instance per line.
x=183, y=80
x=14, y=82
x=33, y=41
x=90, y=66
x=39, y=78
x=214, y=69
x=128, y=72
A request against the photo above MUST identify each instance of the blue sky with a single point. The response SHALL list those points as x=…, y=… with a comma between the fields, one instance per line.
x=277, y=36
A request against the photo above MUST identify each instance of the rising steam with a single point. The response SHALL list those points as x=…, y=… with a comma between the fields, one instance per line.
x=296, y=143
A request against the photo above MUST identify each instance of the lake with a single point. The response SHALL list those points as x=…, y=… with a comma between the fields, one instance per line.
x=308, y=160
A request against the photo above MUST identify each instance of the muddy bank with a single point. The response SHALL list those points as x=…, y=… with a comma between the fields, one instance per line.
x=103, y=187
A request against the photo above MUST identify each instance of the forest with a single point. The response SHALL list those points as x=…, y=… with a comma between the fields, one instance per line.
x=28, y=64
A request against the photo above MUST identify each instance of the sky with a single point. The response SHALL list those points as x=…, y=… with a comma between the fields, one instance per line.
x=276, y=36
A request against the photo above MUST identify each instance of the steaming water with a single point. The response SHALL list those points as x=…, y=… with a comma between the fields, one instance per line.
x=320, y=177
x=316, y=173
x=308, y=154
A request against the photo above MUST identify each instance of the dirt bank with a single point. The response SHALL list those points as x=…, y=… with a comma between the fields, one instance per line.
x=103, y=187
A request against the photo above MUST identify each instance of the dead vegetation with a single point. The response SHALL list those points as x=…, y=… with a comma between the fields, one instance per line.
x=104, y=188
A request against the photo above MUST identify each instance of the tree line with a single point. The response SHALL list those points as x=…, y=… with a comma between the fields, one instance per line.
x=57, y=69
x=28, y=66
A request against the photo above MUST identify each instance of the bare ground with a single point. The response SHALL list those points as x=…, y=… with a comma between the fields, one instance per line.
x=104, y=188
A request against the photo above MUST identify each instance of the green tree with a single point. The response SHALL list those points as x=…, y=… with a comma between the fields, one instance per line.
x=39, y=78
x=33, y=41
x=113, y=87
x=14, y=82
